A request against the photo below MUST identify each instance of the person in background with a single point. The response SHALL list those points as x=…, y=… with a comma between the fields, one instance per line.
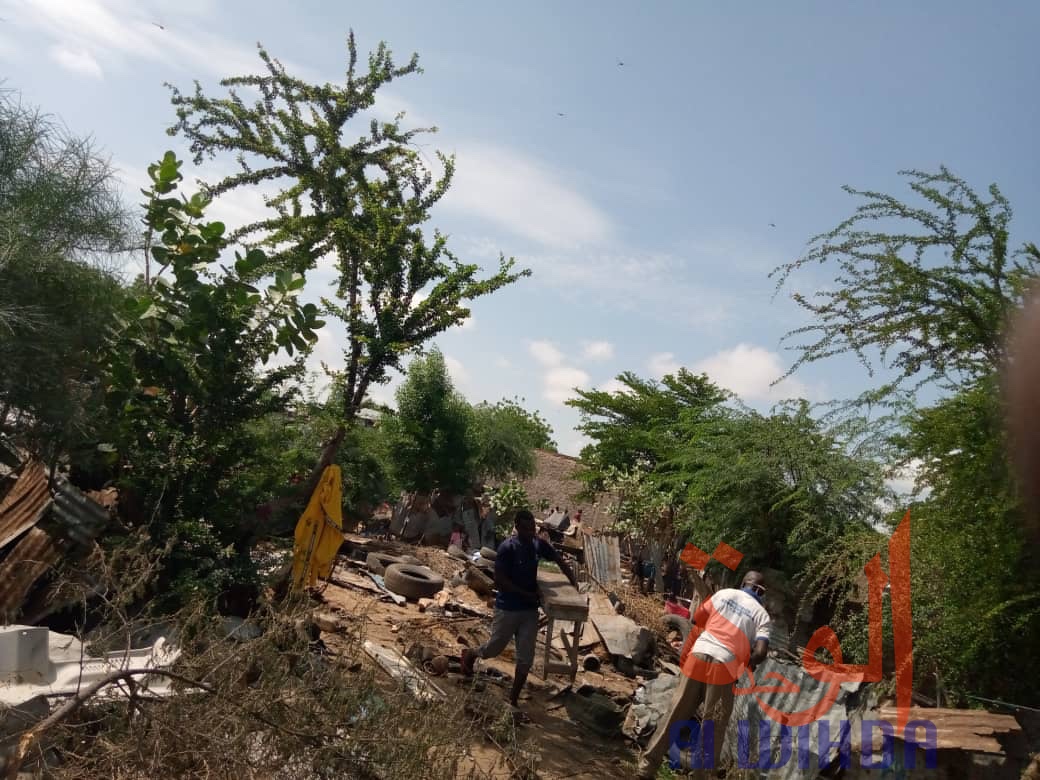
x=516, y=604
x=459, y=538
x=637, y=570
x=650, y=576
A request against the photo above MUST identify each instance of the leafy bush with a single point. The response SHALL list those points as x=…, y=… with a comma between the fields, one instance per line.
x=184, y=389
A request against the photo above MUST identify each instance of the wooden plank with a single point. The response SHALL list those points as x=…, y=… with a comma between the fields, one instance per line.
x=970, y=730
x=559, y=595
x=400, y=668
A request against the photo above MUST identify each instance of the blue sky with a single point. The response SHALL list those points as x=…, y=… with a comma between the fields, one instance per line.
x=645, y=211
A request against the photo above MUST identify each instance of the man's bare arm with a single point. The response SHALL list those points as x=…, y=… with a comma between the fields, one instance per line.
x=759, y=653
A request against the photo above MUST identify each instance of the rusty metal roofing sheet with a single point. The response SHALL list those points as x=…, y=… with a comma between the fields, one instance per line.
x=31, y=558
x=24, y=504
x=603, y=559
x=972, y=730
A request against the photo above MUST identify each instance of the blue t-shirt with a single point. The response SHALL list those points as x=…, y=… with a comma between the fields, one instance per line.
x=519, y=562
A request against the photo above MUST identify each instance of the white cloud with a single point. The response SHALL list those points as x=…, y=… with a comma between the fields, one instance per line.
x=458, y=372
x=523, y=196
x=662, y=363
x=546, y=353
x=111, y=32
x=575, y=444
x=904, y=480
x=77, y=61
x=648, y=284
x=748, y=371
x=501, y=361
x=560, y=382
x=614, y=386
x=597, y=350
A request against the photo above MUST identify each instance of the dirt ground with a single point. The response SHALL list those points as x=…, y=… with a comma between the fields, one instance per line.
x=554, y=745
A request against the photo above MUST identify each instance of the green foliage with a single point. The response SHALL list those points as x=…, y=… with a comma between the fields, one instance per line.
x=430, y=438
x=931, y=292
x=928, y=292
x=362, y=203
x=508, y=499
x=60, y=215
x=976, y=587
x=779, y=488
x=634, y=427
x=57, y=197
x=184, y=389
x=684, y=465
x=642, y=510
x=507, y=435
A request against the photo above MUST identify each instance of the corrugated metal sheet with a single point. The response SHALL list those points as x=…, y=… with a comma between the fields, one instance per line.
x=31, y=558
x=603, y=559
x=77, y=517
x=809, y=691
x=44, y=524
x=24, y=504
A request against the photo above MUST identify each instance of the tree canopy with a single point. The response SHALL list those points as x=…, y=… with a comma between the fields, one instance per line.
x=61, y=219
x=924, y=291
x=362, y=204
x=931, y=290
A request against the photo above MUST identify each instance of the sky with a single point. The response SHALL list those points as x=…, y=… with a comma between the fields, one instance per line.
x=700, y=146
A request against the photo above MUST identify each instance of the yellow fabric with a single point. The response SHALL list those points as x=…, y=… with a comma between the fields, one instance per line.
x=319, y=533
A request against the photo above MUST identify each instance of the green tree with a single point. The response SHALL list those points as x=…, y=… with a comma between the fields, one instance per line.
x=635, y=426
x=184, y=387
x=779, y=488
x=506, y=436
x=362, y=204
x=925, y=292
x=61, y=218
x=976, y=586
x=430, y=438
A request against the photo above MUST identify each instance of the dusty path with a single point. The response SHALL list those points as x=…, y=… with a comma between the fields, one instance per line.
x=559, y=747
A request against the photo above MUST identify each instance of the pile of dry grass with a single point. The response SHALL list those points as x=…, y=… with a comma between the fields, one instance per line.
x=269, y=703
x=646, y=610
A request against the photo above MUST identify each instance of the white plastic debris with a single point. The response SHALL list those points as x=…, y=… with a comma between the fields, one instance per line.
x=34, y=662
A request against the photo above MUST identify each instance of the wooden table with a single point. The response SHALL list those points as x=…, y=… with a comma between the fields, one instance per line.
x=561, y=601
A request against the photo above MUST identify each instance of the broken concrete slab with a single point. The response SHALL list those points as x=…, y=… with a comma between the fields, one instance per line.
x=651, y=702
x=622, y=636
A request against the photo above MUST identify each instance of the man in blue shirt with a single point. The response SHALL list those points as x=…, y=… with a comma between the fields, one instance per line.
x=516, y=603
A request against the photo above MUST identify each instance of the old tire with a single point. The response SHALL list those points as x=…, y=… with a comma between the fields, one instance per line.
x=377, y=562
x=488, y=553
x=412, y=582
x=676, y=623
x=457, y=553
x=411, y=559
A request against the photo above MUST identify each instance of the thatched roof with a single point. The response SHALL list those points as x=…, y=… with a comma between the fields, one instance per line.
x=555, y=479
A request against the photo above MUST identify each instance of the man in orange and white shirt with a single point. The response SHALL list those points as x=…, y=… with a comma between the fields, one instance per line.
x=730, y=633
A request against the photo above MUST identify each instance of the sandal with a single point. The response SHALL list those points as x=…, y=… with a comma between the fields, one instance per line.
x=519, y=716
